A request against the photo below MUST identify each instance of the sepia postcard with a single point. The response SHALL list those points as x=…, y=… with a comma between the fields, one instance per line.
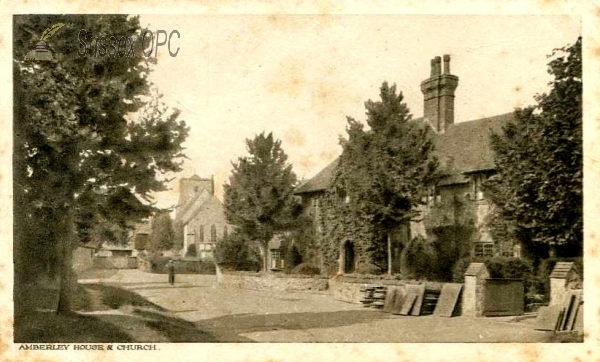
x=264, y=181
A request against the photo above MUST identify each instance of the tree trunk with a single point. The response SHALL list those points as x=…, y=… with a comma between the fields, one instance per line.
x=389, y=253
x=265, y=246
x=65, y=238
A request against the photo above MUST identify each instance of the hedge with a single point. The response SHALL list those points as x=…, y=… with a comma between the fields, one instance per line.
x=158, y=264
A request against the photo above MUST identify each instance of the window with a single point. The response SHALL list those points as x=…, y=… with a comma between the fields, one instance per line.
x=477, y=181
x=201, y=233
x=433, y=195
x=191, y=237
x=276, y=261
x=213, y=234
x=342, y=195
x=485, y=250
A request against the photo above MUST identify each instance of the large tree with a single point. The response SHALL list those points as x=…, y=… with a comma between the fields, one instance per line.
x=387, y=171
x=89, y=139
x=163, y=233
x=539, y=158
x=259, y=196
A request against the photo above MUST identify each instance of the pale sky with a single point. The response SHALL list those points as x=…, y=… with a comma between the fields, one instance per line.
x=300, y=76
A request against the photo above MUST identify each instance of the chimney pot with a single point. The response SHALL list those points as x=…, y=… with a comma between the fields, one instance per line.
x=432, y=68
x=446, y=63
x=438, y=65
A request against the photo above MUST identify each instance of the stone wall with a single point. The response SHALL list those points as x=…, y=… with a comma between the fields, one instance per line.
x=83, y=259
x=271, y=281
x=347, y=288
x=115, y=262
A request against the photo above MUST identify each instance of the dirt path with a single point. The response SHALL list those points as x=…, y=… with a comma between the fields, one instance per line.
x=238, y=315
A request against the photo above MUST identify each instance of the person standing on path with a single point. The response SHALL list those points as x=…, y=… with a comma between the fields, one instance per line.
x=171, y=268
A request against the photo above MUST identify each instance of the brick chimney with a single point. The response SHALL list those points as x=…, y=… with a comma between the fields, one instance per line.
x=438, y=92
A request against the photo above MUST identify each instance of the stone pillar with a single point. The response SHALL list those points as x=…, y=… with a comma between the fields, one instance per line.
x=563, y=278
x=473, y=298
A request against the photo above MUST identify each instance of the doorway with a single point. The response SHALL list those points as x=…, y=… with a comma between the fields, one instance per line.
x=348, y=257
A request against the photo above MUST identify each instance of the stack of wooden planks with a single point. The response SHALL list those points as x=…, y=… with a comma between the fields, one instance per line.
x=408, y=300
x=448, y=302
x=567, y=316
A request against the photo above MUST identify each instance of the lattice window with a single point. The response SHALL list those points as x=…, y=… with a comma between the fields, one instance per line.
x=276, y=261
x=485, y=250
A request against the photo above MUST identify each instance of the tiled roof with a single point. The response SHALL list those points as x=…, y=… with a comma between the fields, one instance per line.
x=464, y=147
x=320, y=181
x=474, y=269
x=194, y=206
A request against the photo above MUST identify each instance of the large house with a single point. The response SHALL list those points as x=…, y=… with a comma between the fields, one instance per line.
x=463, y=147
x=202, y=216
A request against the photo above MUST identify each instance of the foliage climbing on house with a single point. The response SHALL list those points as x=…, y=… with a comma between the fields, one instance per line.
x=383, y=176
x=450, y=224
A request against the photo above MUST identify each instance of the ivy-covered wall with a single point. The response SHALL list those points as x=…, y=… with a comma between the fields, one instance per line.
x=339, y=223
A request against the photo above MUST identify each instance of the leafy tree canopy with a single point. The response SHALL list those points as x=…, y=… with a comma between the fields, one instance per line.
x=163, y=233
x=539, y=158
x=89, y=136
x=259, y=196
x=387, y=171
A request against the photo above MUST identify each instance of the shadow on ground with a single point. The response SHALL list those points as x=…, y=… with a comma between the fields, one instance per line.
x=228, y=328
x=47, y=327
x=105, y=314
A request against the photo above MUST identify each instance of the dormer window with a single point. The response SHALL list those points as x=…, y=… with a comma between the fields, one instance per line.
x=342, y=195
x=476, y=186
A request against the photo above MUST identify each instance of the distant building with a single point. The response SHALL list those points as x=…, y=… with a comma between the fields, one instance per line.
x=202, y=216
x=141, y=235
x=463, y=147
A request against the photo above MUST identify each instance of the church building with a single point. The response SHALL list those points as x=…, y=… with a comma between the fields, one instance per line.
x=202, y=216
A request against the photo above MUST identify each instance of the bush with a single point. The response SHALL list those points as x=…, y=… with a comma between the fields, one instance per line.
x=421, y=259
x=367, y=268
x=195, y=267
x=158, y=264
x=235, y=253
x=547, y=265
x=306, y=269
x=498, y=267
x=191, y=251
x=509, y=268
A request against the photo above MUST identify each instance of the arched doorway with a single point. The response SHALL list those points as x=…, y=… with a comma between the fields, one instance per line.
x=348, y=257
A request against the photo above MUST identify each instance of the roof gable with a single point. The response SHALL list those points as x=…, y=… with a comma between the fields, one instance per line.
x=466, y=147
x=204, y=202
x=192, y=207
x=321, y=180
